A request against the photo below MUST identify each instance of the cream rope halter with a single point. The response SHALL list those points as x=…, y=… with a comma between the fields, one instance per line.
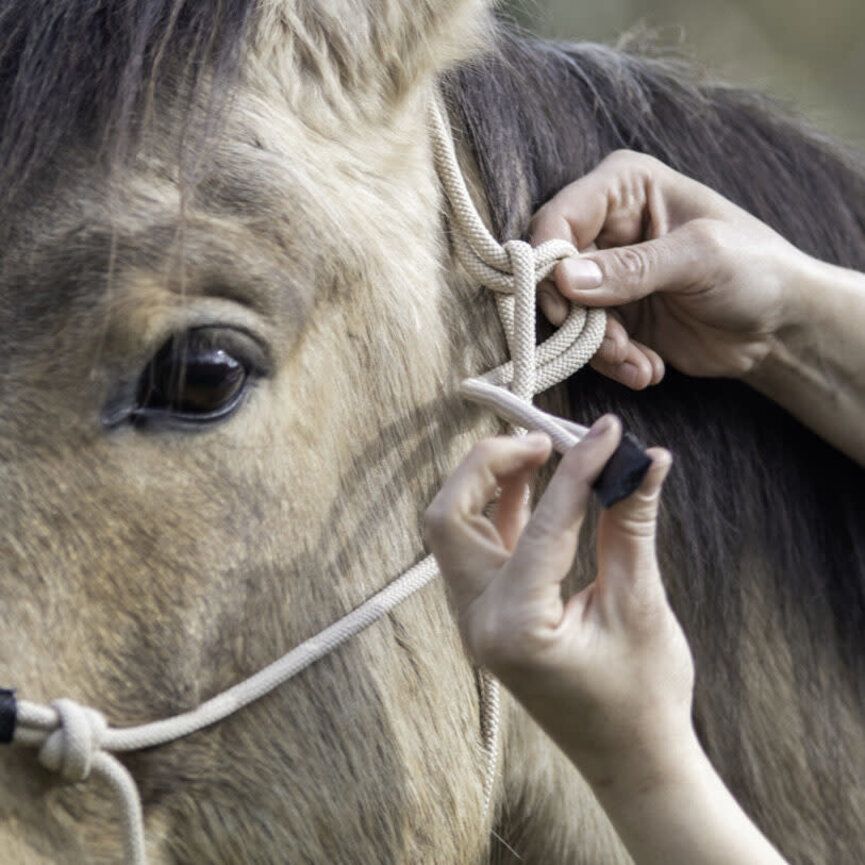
x=76, y=741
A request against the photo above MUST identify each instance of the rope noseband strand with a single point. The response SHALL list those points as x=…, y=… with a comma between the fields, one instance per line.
x=74, y=740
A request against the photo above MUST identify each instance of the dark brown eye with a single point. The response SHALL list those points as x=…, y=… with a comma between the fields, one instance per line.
x=192, y=377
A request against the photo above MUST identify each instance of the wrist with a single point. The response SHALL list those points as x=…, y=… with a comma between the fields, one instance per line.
x=678, y=771
x=788, y=328
x=643, y=767
x=819, y=318
x=814, y=365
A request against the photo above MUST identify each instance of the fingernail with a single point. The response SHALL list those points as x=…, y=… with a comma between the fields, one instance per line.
x=580, y=274
x=662, y=461
x=600, y=427
x=553, y=306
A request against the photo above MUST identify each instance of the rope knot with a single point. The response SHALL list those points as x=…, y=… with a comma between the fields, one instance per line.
x=523, y=262
x=541, y=260
x=70, y=748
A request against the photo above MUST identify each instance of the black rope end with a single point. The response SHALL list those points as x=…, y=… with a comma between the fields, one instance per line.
x=624, y=471
x=8, y=715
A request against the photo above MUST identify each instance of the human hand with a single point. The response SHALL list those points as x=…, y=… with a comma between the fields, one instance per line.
x=696, y=281
x=608, y=672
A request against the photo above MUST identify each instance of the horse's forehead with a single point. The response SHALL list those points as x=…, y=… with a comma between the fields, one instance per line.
x=263, y=223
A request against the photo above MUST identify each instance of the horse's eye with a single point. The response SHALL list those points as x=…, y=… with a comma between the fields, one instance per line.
x=192, y=378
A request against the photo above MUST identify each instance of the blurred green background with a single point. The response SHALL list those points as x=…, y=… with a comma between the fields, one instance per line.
x=810, y=53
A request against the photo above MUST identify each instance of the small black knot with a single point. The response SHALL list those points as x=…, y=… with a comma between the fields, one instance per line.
x=8, y=715
x=624, y=471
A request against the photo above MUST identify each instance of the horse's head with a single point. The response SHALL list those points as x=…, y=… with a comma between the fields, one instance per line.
x=225, y=351
x=230, y=325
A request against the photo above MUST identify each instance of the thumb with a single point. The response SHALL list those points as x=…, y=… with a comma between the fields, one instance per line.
x=546, y=548
x=627, y=560
x=674, y=262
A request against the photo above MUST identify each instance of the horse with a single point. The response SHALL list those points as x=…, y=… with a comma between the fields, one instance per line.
x=233, y=327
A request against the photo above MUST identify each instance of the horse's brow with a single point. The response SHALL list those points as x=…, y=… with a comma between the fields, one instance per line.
x=196, y=256
x=251, y=184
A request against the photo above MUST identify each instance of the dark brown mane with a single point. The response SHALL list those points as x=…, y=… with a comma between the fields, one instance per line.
x=749, y=480
x=72, y=69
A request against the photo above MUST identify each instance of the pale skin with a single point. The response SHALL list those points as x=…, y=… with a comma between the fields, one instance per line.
x=700, y=284
x=608, y=672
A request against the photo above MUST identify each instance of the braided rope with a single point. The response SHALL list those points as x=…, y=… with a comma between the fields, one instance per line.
x=513, y=270
x=76, y=741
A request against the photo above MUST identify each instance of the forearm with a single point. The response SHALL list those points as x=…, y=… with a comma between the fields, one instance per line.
x=684, y=815
x=816, y=366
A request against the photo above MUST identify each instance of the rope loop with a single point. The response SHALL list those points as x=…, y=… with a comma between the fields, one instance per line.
x=520, y=327
x=496, y=272
x=70, y=749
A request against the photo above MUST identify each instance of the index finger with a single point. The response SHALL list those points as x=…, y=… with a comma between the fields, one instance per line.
x=456, y=529
x=607, y=204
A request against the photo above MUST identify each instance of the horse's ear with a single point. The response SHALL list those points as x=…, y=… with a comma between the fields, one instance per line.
x=369, y=54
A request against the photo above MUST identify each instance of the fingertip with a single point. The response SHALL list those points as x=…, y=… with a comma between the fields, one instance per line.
x=604, y=427
x=661, y=457
x=549, y=224
x=659, y=368
x=612, y=370
x=532, y=451
x=635, y=373
x=537, y=441
x=662, y=462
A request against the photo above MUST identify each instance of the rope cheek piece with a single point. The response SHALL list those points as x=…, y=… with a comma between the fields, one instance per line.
x=76, y=741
